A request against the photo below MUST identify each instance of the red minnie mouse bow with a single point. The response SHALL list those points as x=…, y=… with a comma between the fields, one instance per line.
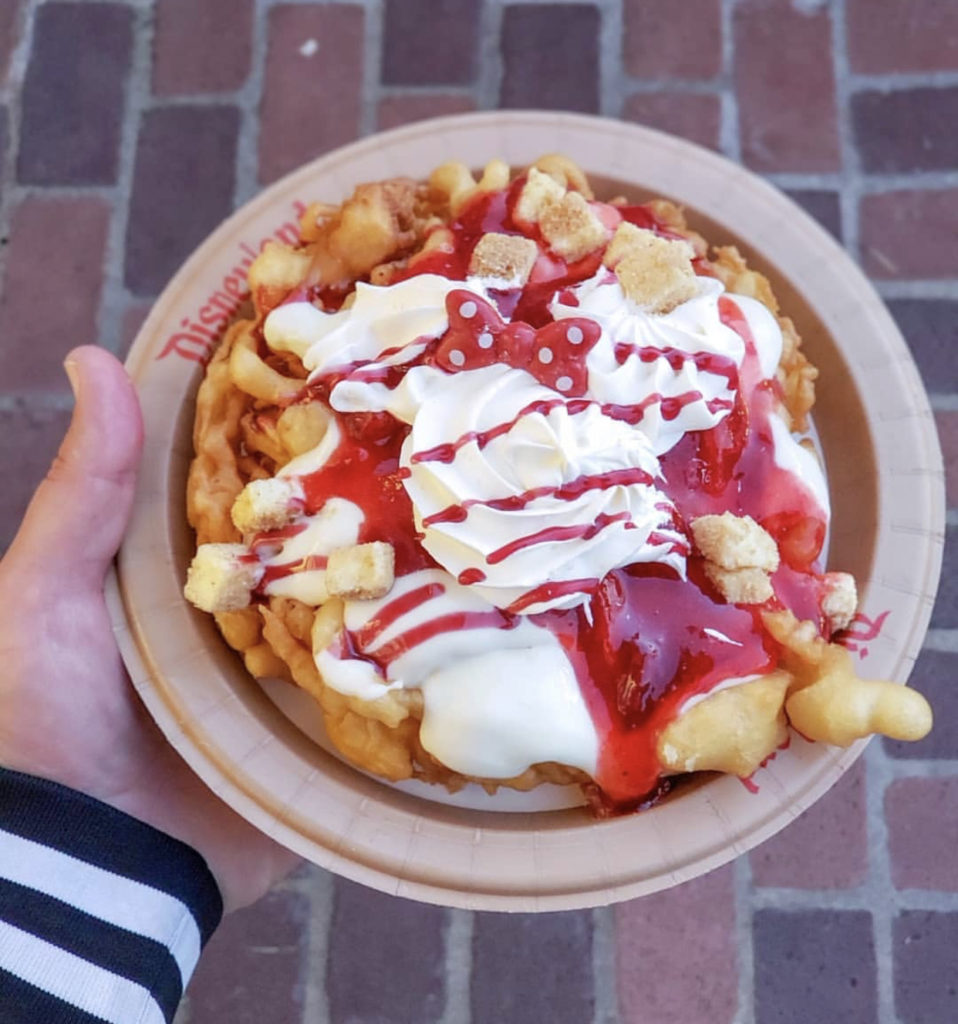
x=478, y=336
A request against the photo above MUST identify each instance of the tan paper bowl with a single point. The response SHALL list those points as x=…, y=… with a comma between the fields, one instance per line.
x=883, y=462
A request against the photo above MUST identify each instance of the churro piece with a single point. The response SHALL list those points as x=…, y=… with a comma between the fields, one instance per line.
x=733, y=730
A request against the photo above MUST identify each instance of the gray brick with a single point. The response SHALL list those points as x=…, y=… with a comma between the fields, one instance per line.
x=253, y=969
x=29, y=439
x=930, y=327
x=532, y=967
x=430, y=42
x=945, y=613
x=926, y=968
x=386, y=957
x=934, y=675
x=823, y=205
x=906, y=130
x=183, y=188
x=551, y=57
x=814, y=966
x=72, y=103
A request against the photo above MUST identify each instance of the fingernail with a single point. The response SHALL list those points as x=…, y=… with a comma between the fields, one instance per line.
x=73, y=376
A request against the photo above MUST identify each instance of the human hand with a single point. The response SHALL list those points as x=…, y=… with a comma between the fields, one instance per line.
x=68, y=711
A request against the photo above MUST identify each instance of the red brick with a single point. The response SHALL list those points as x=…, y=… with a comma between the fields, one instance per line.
x=182, y=188
x=29, y=438
x=397, y=110
x=314, y=74
x=72, y=103
x=51, y=291
x=902, y=35
x=673, y=41
x=254, y=968
x=947, y=423
x=550, y=57
x=922, y=818
x=430, y=42
x=11, y=25
x=385, y=960
x=692, y=116
x=785, y=84
x=827, y=848
x=203, y=47
x=910, y=233
x=675, y=954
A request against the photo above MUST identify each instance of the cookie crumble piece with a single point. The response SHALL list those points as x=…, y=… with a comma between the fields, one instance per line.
x=361, y=571
x=655, y=273
x=505, y=258
x=740, y=556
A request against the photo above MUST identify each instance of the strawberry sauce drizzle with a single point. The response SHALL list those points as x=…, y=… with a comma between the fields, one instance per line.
x=563, y=492
x=706, y=362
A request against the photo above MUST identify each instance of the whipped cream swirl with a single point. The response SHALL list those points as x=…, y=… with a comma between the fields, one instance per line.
x=528, y=497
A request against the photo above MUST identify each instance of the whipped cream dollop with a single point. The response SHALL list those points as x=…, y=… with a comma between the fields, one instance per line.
x=381, y=324
x=528, y=497
x=476, y=714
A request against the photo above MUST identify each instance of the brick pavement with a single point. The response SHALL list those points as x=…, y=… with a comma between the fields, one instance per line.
x=129, y=128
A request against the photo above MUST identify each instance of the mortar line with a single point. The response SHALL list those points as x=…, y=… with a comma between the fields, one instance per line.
x=944, y=403
x=936, y=288
x=248, y=98
x=611, y=73
x=879, y=880
x=16, y=76
x=457, y=946
x=656, y=85
x=318, y=883
x=849, y=190
x=403, y=92
x=902, y=81
x=489, y=80
x=604, y=967
x=743, y=893
x=114, y=299
x=729, y=137
x=373, y=39
x=942, y=639
x=45, y=401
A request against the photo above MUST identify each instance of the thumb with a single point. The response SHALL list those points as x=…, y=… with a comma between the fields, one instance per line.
x=78, y=514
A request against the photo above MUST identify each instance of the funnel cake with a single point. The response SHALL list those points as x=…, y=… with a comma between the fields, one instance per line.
x=514, y=483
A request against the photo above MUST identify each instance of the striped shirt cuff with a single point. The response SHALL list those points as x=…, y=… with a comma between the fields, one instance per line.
x=102, y=917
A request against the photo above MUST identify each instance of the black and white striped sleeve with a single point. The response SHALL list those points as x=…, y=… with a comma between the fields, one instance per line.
x=102, y=917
